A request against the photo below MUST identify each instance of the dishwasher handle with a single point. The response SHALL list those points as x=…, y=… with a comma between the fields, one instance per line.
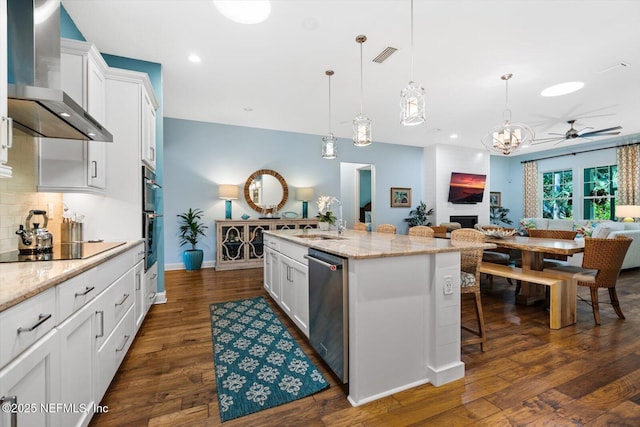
x=332, y=267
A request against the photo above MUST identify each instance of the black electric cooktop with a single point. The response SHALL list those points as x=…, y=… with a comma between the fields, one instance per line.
x=62, y=251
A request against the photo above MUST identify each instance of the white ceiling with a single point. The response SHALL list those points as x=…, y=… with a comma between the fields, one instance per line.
x=276, y=69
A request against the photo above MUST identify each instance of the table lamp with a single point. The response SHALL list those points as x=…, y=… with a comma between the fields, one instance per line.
x=628, y=212
x=228, y=193
x=304, y=194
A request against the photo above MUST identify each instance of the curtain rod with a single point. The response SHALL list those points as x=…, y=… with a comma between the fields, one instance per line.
x=580, y=152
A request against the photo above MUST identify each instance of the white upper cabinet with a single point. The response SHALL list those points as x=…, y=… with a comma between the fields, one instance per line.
x=148, y=130
x=5, y=122
x=70, y=165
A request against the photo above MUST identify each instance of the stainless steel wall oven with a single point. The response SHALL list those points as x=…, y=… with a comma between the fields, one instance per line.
x=150, y=216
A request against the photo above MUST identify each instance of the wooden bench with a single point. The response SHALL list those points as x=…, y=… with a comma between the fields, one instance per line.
x=562, y=290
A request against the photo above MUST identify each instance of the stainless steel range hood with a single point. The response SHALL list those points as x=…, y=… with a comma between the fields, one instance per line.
x=36, y=101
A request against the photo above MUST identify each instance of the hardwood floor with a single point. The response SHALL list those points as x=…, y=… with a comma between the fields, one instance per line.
x=583, y=375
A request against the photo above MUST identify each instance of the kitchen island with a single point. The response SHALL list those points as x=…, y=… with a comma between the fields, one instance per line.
x=403, y=306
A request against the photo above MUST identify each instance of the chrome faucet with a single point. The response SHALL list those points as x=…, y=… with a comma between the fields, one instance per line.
x=341, y=223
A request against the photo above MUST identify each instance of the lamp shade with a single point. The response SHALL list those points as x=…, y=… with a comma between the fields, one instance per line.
x=227, y=191
x=304, y=193
x=628, y=211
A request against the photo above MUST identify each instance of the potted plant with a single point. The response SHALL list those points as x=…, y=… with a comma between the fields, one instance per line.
x=191, y=228
x=419, y=215
x=325, y=217
x=498, y=214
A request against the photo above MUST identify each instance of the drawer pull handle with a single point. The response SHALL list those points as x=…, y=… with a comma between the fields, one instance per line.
x=141, y=253
x=154, y=276
x=87, y=289
x=124, y=298
x=13, y=405
x=101, y=334
x=152, y=296
x=124, y=343
x=41, y=319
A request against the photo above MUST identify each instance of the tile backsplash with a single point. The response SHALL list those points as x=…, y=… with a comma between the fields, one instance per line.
x=19, y=194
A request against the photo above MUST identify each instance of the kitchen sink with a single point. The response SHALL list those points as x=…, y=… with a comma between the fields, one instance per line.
x=318, y=237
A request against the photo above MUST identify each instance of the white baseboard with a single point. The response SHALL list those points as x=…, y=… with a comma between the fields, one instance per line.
x=180, y=266
x=161, y=298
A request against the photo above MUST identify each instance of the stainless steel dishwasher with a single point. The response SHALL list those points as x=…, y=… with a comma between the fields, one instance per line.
x=329, y=310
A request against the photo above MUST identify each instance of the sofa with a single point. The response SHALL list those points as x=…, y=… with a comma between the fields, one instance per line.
x=592, y=228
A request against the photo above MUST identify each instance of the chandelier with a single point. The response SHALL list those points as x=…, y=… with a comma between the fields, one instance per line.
x=329, y=142
x=361, y=123
x=508, y=137
x=412, y=99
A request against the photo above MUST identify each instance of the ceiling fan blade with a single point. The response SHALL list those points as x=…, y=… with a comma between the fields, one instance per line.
x=545, y=140
x=600, y=131
x=587, y=135
x=556, y=133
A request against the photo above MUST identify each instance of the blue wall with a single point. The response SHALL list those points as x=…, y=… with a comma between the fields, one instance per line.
x=506, y=172
x=199, y=156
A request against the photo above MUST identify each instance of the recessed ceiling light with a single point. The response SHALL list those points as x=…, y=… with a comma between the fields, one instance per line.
x=248, y=109
x=453, y=136
x=244, y=11
x=194, y=58
x=63, y=114
x=562, y=89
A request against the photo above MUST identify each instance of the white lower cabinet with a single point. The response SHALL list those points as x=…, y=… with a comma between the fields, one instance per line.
x=287, y=279
x=62, y=369
x=30, y=383
x=150, y=286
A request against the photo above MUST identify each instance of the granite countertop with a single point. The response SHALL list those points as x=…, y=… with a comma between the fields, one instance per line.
x=365, y=244
x=22, y=280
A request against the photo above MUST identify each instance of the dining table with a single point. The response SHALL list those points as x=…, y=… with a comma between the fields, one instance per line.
x=533, y=251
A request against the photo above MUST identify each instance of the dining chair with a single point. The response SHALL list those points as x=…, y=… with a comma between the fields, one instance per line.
x=470, y=280
x=600, y=269
x=386, y=228
x=439, y=230
x=361, y=226
x=421, y=230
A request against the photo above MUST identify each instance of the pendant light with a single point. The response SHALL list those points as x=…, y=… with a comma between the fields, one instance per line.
x=361, y=123
x=508, y=137
x=412, y=98
x=329, y=142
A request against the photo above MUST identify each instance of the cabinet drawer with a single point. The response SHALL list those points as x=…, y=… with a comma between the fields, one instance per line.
x=150, y=286
x=111, y=354
x=76, y=292
x=272, y=242
x=138, y=253
x=293, y=251
x=109, y=271
x=25, y=323
x=114, y=303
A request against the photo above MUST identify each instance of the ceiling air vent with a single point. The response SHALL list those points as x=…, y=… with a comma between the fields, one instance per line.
x=382, y=56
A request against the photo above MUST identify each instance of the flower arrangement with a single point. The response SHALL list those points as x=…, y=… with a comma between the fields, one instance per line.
x=324, y=212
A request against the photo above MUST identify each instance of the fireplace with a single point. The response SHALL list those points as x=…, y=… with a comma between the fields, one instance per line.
x=466, y=221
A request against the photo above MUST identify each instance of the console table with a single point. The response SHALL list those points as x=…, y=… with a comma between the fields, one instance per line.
x=239, y=243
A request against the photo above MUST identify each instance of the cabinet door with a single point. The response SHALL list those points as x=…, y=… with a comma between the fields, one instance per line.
x=5, y=140
x=300, y=278
x=33, y=379
x=77, y=365
x=150, y=286
x=148, y=131
x=231, y=247
x=287, y=292
x=272, y=277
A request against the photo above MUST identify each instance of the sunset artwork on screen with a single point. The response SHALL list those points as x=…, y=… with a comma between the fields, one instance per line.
x=466, y=187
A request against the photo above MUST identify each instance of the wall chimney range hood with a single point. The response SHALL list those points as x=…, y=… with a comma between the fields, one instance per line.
x=37, y=104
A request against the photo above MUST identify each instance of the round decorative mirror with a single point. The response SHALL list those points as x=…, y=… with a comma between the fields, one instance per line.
x=266, y=188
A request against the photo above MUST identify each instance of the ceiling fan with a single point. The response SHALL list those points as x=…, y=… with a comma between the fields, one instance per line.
x=573, y=133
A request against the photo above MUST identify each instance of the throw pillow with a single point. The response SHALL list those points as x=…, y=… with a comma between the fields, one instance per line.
x=600, y=232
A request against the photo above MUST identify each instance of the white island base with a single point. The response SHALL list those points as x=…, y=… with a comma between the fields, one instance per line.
x=404, y=330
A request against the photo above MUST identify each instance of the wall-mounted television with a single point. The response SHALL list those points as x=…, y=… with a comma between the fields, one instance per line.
x=466, y=187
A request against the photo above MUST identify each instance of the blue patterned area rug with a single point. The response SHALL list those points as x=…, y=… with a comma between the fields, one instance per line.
x=258, y=363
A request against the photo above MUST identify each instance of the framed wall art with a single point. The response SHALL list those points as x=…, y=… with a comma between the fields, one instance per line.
x=400, y=197
x=494, y=198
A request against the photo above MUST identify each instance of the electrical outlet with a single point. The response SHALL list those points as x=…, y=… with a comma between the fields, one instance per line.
x=50, y=210
x=448, y=285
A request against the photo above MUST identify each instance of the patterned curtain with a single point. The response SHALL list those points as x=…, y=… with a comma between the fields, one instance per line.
x=530, y=181
x=628, y=175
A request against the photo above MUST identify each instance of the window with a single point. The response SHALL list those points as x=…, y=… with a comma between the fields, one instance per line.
x=600, y=188
x=557, y=194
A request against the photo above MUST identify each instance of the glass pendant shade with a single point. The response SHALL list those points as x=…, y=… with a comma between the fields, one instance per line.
x=508, y=137
x=361, y=130
x=329, y=147
x=412, y=105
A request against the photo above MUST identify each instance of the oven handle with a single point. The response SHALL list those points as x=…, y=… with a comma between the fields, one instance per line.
x=154, y=215
x=152, y=183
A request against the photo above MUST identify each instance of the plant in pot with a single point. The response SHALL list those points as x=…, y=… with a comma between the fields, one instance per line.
x=325, y=217
x=420, y=215
x=498, y=215
x=191, y=228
